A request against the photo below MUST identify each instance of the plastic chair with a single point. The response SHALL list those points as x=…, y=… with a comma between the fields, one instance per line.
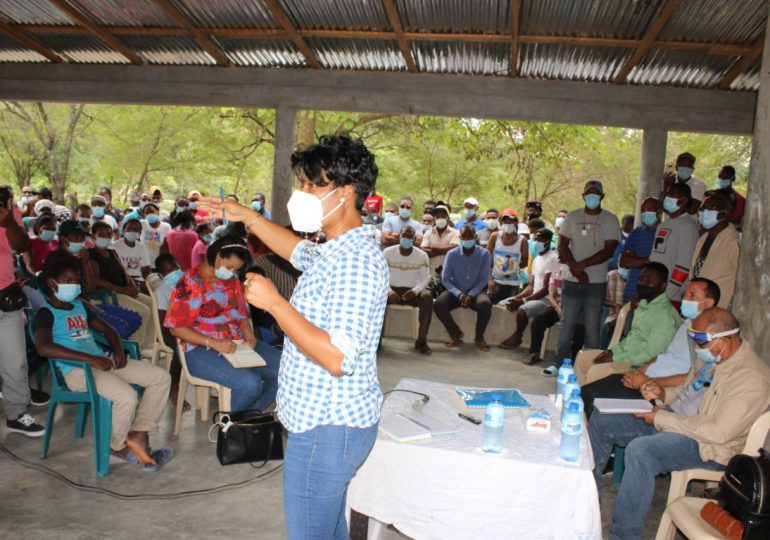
x=104, y=297
x=680, y=479
x=397, y=307
x=685, y=512
x=159, y=348
x=201, y=393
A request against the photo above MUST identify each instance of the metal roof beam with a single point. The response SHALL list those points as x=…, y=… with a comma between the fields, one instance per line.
x=280, y=16
x=742, y=63
x=513, y=67
x=649, y=37
x=398, y=31
x=199, y=36
x=27, y=41
x=98, y=31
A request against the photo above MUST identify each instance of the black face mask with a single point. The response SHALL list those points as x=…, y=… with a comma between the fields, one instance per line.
x=646, y=292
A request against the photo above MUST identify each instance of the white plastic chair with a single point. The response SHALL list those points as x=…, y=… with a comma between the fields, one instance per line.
x=685, y=512
x=159, y=348
x=671, y=520
x=201, y=394
x=396, y=308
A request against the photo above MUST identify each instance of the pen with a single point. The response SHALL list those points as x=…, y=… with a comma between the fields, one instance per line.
x=469, y=418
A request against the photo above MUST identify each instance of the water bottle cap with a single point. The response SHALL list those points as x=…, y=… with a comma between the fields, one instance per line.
x=567, y=362
x=572, y=378
x=575, y=392
x=574, y=407
x=497, y=397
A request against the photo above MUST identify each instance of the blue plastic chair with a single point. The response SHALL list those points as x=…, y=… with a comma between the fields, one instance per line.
x=618, y=467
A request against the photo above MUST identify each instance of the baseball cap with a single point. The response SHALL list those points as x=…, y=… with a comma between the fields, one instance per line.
x=439, y=208
x=594, y=184
x=71, y=226
x=40, y=205
x=44, y=192
x=509, y=212
x=471, y=200
x=534, y=202
x=99, y=199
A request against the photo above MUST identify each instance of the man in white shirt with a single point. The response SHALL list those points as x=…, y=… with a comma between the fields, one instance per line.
x=392, y=226
x=154, y=231
x=133, y=254
x=409, y=274
x=532, y=301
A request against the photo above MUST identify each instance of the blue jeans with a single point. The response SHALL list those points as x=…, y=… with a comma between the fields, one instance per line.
x=580, y=303
x=317, y=467
x=252, y=388
x=649, y=453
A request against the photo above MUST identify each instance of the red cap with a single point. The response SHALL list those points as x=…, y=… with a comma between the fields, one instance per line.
x=510, y=212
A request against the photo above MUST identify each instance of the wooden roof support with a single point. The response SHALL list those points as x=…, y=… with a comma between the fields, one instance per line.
x=200, y=37
x=280, y=16
x=649, y=37
x=28, y=42
x=513, y=66
x=98, y=31
x=398, y=31
x=742, y=63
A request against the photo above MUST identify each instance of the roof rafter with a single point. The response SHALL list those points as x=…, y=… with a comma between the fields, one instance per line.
x=280, y=16
x=27, y=41
x=98, y=31
x=513, y=69
x=200, y=37
x=649, y=37
x=743, y=63
x=398, y=31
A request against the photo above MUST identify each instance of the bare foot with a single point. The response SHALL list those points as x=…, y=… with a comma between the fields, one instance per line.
x=137, y=443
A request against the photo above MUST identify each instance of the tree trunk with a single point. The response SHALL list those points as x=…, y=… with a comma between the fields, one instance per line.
x=306, y=129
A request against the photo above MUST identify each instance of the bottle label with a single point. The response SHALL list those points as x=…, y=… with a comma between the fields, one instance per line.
x=571, y=428
x=494, y=417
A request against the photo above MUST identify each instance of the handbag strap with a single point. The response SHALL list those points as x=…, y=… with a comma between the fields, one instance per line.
x=269, y=449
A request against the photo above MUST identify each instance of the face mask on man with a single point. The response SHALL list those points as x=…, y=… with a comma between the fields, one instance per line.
x=558, y=222
x=508, y=228
x=103, y=243
x=405, y=213
x=684, y=172
x=98, y=212
x=306, y=211
x=492, y=224
x=152, y=218
x=441, y=223
x=256, y=205
x=131, y=236
x=75, y=247
x=406, y=243
x=689, y=309
x=723, y=183
x=649, y=218
x=67, y=292
x=538, y=247
x=645, y=292
x=468, y=244
x=670, y=205
x=592, y=201
x=469, y=213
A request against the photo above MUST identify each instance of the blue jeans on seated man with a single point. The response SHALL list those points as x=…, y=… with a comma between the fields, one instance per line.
x=317, y=467
x=252, y=388
x=580, y=303
x=649, y=452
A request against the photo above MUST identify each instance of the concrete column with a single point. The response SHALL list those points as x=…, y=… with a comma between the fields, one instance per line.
x=752, y=300
x=285, y=129
x=651, y=172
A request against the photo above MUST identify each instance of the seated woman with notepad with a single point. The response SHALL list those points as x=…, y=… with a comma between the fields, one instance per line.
x=207, y=312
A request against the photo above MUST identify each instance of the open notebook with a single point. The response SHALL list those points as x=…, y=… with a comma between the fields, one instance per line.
x=244, y=356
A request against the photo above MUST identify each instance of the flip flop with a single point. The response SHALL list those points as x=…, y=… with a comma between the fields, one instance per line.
x=130, y=457
x=161, y=457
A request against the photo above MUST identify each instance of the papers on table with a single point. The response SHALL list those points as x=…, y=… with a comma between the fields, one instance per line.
x=622, y=406
x=412, y=425
x=244, y=357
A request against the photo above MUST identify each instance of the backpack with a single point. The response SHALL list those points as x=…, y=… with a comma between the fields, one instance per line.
x=744, y=491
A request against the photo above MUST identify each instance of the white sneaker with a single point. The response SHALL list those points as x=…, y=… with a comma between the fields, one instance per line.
x=25, y=425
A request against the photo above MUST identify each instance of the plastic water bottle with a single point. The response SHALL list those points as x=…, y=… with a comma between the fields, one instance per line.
x=569, y=386
x=571, y=428
x=574, y=398
x=562, y=375
x=494, y=419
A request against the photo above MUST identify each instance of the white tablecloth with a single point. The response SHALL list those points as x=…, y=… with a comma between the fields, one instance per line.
x=445, y=488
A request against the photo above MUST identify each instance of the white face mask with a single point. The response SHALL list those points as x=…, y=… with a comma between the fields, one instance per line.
x=509, y=228
x=492, y=224
x=306, y=211
x=441, y=223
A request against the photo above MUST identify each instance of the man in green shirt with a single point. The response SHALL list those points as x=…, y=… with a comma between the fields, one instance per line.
x=654, y=325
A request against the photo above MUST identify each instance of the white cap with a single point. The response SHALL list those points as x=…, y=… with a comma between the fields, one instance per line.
x=471, y=200
x=44, y=203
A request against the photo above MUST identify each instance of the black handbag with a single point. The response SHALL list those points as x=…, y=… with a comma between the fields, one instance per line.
x=12, y=298
x=248, y=437
x=744, y=491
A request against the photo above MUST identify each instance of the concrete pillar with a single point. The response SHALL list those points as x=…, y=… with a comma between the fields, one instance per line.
x=285, y=129
x=752, y=300
x=651, y=172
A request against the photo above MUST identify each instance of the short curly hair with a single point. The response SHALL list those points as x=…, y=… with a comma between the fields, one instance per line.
x=340, y=160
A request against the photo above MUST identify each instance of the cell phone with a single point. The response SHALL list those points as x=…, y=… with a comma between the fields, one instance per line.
x=5, y=196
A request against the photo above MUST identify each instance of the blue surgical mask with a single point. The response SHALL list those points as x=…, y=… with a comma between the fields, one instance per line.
x=143, y=204
x=256, y=205
x=468, y=244
x=670, y=204
x=689, y=309
x=172, y=278
x=47, y=236
x=705, y=355
x=98, y=212
x=75, y=247
x=539, y=247
x=708, y=218
x=223, y=273
x=470, y=212
x=181, y=209
x=723, y=183
x=390, y=214
x=558, y=222
x=405, y=213
x=131, y=236
x=193, y=206
x=103, y=243
x=67, y=292
x=152, y=218
x=684, y=172
x=209, y=238
x=406, y=243
x=649, y=218
x=592, y=201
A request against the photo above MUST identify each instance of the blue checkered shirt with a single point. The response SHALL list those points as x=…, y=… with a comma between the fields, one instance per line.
x=343, y=290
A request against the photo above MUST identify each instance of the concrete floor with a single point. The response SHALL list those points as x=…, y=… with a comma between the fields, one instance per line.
x=33, y=504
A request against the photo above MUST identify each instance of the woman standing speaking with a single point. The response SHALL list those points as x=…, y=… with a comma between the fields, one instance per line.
x=328, y=395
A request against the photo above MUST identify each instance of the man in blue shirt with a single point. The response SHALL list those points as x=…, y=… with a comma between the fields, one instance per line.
x=470, y=207
x=638, y=246
x=626, y=226
x=465, y=276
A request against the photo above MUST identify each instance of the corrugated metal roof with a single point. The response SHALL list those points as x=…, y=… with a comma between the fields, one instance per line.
x=172, y=50
x=261, y=53
x=81, y=48
x=31, y=12
x=358, y=54
x=489, y=16
x=227, y=13
x=337, y=14
x=12, y=51
x=464, y=58
x=692, y=69
x=749, y=79
x=123, y=12
x=723, y=21
x=626, y=19
x=600, y=64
